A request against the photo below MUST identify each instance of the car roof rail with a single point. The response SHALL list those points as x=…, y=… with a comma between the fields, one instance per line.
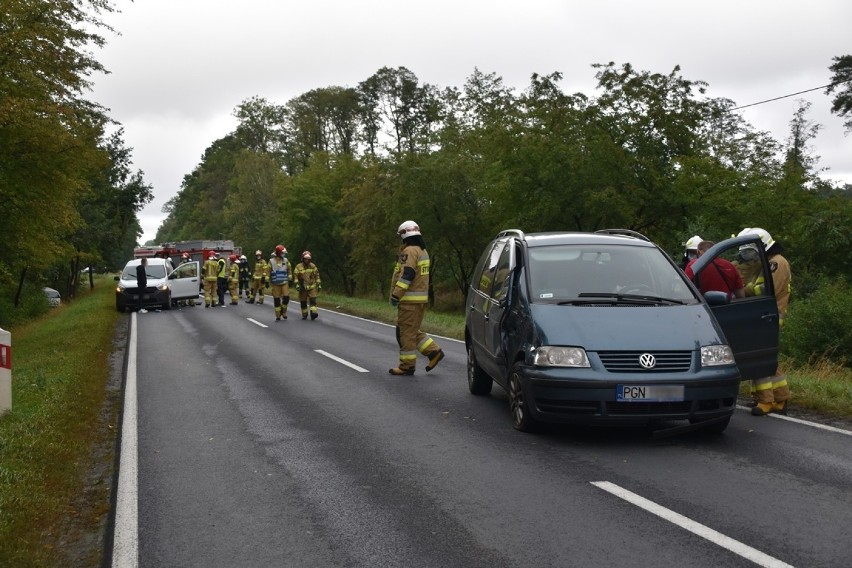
x=515, y=232
x=623, y=232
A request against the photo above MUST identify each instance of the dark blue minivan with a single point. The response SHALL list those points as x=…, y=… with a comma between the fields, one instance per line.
x=604, y=328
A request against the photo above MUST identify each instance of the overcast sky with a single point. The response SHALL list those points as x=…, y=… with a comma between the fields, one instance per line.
x=180, y=67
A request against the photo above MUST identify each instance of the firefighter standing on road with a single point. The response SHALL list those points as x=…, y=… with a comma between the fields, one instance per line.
x=221, y=279
x=308, y=283
x=211, y=269
x=280, y=275
x=259, y=277
x=772, y=393
x=245, y=277
x=409, y=293
x=234, y=279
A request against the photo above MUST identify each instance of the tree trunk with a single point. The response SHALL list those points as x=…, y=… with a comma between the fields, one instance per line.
x=20, y=287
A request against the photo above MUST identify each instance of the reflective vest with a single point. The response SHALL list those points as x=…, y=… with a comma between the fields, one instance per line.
x=279, y=270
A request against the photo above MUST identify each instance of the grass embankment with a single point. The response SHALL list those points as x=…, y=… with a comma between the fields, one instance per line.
x=822, y=387
x=57, y=442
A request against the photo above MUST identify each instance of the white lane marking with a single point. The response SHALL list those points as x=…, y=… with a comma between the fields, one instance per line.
x=735, y=546
x=342, y=361
x=805, y=422
x=255, y=322
x=125, y=543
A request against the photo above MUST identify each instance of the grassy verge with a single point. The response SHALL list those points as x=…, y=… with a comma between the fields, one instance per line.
x=822, y=388
x=57, y=442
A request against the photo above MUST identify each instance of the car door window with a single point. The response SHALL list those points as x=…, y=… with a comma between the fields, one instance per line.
x=502, y=272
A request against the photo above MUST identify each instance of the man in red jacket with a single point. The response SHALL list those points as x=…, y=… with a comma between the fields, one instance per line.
x=720, y=275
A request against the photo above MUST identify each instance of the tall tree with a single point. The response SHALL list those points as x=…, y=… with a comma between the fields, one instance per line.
x=841, y=83
x=49, y=134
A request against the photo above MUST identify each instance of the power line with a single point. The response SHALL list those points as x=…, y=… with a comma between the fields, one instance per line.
x=792, y=94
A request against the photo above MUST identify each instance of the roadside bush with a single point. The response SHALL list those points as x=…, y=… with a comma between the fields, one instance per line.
x=820, y=326
x=33, y=303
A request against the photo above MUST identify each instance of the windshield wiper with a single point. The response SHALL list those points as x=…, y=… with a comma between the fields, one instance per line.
x=590, y=297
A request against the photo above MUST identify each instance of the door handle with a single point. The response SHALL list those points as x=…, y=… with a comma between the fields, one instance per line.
x=769, y=317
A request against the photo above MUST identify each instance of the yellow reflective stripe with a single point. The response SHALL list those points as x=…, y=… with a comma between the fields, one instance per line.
x=781, y=382
x=424, y=344
x=404, y=358
x=763, y=386
x=404, y=284
x=415, y=297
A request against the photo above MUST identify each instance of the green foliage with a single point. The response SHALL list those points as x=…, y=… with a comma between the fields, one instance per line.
x=69, y=197
x=820, y=326
x=841, y=83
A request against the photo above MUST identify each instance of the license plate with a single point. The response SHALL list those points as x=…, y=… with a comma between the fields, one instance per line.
x=649, y=393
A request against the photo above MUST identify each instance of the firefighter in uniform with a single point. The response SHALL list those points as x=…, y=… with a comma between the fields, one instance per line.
x=409, y=294
x=245, y=277
x=280, y=275
x=308, y=283
x=211, y=269
x=259, y=278
x=221, y=279
x=771, y=393
x=234, y=279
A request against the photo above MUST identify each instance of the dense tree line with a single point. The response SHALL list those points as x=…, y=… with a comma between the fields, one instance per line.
x=69, y=198
x=337, y=169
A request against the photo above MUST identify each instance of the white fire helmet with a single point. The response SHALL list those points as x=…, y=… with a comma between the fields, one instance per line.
x=692, y=243
x=408, y=229
x=765, y=237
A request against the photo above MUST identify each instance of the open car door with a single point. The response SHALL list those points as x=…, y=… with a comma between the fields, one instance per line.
x=750, y=323
x=184, y=280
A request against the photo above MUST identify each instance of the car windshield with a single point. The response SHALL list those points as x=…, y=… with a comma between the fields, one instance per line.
x=153, y=271
x=586, y=272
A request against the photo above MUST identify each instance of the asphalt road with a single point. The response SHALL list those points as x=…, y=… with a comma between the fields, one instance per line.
x=264, y=443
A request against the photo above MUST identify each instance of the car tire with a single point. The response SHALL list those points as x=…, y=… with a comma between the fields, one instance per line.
x=167, y=305
x=478, y=380
x=120, y=307
x=521, y=418
x=715, y=428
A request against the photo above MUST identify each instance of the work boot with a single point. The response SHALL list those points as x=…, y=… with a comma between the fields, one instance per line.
x=304, y=316
x=780, y=407
x=398, y=372
x=434, y=359
x=250, y=301
x=314, y=316
x=762, y=409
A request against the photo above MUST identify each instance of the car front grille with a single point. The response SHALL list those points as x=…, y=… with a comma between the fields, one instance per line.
x=135, y=291
x=642, y=408
x=628, y=361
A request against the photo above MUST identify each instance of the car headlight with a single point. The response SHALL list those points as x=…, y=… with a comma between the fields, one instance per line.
x=163, y=287
x=550, y=356
x=714, y=355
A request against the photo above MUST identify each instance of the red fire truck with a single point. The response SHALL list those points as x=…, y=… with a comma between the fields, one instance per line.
x=198, y=250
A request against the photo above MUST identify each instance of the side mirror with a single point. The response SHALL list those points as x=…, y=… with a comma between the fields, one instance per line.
x=715, y=298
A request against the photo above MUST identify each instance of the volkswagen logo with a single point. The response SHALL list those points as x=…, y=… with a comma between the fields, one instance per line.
x=647, y=361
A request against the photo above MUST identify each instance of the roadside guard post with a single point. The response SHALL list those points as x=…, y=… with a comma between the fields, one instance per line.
x=5, y=371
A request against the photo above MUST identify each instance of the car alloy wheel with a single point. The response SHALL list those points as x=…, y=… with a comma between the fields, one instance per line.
x=521, y=419
x=478, y=380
